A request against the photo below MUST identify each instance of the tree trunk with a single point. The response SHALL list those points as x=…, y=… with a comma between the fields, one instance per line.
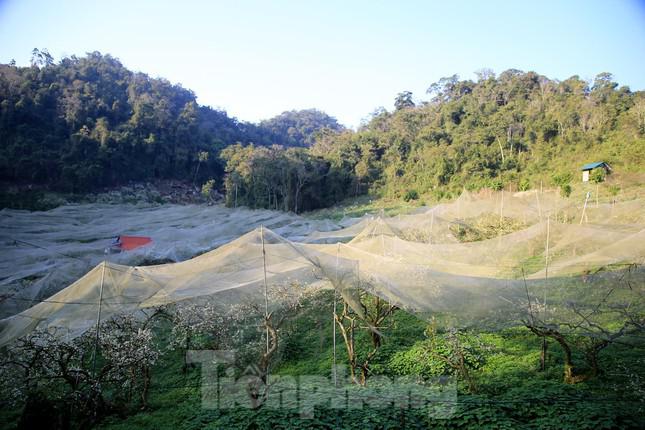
x=348, y=337
x=364, y=370
x=501, y=150
x=592, y=356
x=146, y=386
x=184, y=367
x=297, y=196
x=569, y=373
x=196, y=171
x=463, y=368
x=543, y=354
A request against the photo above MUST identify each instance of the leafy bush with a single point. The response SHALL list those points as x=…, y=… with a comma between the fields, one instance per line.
x=597, y=176
x=207, y=188
x=565, y=190
x=525, y=184
x=431, y=357
x=497, y=184
x=411, y=195
x=561, y=179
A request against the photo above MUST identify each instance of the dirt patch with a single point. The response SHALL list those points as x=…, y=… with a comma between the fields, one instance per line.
x=37, y=198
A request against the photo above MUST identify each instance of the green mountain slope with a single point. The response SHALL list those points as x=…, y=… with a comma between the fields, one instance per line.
x=89, y=122
x=299, y=127
x=511, y=131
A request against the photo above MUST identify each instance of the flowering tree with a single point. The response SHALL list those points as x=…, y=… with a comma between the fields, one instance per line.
x=46, y=365
x=74, y=375
x=256, y=331
x=129, y=351
x=196, y=325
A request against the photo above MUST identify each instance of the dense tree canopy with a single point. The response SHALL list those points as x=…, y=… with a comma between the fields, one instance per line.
x=299, y=128
x=291, y=179
x=89, y=122
x=511, y=130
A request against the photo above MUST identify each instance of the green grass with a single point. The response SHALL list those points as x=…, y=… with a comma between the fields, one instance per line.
x=623, y=186
x=512, y=392
x=366, y=204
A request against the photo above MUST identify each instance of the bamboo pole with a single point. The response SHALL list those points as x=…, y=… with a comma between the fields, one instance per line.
x=333, y=322
x=584, y=208
x=266, y=292
x=597, y=190
x=98, y=320
x=546, y=278
x=459, y=213
x=537, y=197
x=546, y=252
x=501, y=207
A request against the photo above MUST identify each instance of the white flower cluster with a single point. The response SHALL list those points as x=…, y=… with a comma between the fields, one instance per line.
x=129, y=348
x=77, y=371
x=195, y=324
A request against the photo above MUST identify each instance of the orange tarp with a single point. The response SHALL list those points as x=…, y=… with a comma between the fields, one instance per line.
x=128, y=243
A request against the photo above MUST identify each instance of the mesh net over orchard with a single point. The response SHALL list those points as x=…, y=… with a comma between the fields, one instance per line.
x=488, y=260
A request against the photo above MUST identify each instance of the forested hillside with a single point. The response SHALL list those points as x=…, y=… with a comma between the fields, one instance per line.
x=516, y=131
x=507, y=131
x=89, y=122
x=299, y=128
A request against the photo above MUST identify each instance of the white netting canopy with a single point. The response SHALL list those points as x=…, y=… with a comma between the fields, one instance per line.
x=43, y=252
x=558, y=253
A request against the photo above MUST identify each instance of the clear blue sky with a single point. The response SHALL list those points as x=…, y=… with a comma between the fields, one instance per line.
x=256, y=59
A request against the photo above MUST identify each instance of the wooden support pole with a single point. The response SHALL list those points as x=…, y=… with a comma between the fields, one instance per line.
x=537, y=197
x=546, y=278
x=266, y=291
x=501, y=207
x=597, y=192
x=333, y=321
x=584, y=208
x=98, y=320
